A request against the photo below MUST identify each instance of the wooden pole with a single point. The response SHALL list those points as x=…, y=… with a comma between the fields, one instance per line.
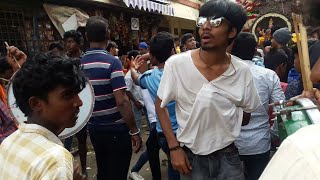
x=302, y=44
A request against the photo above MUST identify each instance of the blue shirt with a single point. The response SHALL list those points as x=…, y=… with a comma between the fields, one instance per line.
x=151, y=80
x=106, y=76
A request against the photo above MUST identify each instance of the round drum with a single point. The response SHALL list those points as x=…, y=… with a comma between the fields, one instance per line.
x=86, y=95
x=292, y=118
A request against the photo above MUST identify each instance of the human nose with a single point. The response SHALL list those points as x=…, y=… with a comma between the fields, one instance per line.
x=206, y=26
x=78, y=102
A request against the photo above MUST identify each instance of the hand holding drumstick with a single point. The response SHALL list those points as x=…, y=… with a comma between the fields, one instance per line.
x=15, y=57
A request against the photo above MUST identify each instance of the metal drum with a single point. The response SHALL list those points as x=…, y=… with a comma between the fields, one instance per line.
x=291, y=118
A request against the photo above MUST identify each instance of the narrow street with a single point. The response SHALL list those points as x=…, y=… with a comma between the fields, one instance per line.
x=144, y=172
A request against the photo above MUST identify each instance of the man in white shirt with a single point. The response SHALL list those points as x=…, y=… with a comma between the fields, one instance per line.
x=134, y=92
x=214, y=94
x=254, y=141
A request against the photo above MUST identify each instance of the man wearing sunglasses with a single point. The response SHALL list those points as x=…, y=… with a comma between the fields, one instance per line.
x=213, y=99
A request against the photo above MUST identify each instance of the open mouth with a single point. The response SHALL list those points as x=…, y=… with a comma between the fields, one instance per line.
x=205, y=38
x=76, y=114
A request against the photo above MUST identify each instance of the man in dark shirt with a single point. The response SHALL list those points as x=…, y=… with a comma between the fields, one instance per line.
x=112, y=126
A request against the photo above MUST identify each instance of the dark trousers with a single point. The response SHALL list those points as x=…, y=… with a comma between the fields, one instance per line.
x=113, y=150
x=255, y=164
x=172, y=174
x=153, y=153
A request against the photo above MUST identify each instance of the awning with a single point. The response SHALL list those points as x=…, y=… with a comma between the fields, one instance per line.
x=64, y=17
x=161, y=6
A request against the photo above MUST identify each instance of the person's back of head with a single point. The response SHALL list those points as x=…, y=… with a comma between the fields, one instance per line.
x=244, y=46
x=56, y=45
x=282, y=36
x=277, y=60
x=6, y=70
x=274, y=58
x=161, y=46
x=133, y=54
x=110, y=45
x=97, y=29
x=231, y=11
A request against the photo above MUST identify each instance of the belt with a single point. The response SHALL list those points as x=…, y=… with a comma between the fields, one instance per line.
x=229, y=150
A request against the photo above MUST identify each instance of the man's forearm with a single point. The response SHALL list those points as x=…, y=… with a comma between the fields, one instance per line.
x=134, y=76
x=131, y=97
x=125, y=109
x=165, y=122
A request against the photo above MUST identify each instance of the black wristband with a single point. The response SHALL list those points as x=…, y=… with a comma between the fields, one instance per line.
x=174, y=148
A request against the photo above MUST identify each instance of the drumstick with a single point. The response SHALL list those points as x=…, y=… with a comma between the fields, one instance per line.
x=302, y=44
x=14, y=58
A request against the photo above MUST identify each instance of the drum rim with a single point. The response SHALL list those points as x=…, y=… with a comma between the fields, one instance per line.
x=76, y=130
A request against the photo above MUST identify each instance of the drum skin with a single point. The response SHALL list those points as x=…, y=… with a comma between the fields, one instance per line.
x=288, y=125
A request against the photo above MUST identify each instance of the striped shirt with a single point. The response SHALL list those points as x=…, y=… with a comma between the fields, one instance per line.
x=34, y=152
x=106, y=76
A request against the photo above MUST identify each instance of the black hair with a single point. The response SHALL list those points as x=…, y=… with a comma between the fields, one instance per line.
x=244, y=46
x=274, y=28
x=185, y=37
x=57, y=45
x=198, y=45
x=133, y=53
x=275, y=58
x=266, y=43
x=232, y=11
x=75, y=35
x=176, y=39
x=110, y=45
x=4, y=65
x=161, y=46
x=42, y=74
x=97, y=29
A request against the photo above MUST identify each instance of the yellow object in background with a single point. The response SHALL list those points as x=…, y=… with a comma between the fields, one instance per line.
x=261, y=40
x=294, y=37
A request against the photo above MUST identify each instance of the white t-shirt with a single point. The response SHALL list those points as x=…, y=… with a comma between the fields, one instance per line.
x=209, y=114
x=133, y=88
x=298, y=157
x=149, y=105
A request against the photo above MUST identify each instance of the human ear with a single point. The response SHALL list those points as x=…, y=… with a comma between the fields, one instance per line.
x=35, y=104
x=232, y=33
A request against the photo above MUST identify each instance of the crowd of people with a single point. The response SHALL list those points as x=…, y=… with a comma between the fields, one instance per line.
x=206, y=104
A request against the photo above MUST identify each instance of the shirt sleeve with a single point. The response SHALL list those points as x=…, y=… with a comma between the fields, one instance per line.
x=143, y=80
x=61, y=169
x=251, y=99
x=129, y=82
x=277, y=93
x=167, y=88
x=116, y=77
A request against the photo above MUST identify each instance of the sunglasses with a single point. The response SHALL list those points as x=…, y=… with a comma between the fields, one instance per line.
x=215, y=22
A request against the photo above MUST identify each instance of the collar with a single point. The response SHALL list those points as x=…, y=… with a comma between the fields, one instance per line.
x=249, y=62
x=37, y=129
